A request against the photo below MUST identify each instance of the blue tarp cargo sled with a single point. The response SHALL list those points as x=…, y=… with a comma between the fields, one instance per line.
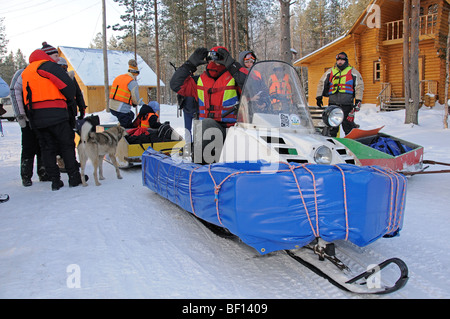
x=285, y=206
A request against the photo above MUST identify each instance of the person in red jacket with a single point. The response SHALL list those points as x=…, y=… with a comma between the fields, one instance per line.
x=217, y=91
x=49, y=93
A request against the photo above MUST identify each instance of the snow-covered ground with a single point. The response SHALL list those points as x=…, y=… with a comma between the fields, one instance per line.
x=121, y=240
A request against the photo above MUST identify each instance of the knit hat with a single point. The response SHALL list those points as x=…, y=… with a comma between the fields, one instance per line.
x=216, y=49
x=48, y=48
x=132, y=66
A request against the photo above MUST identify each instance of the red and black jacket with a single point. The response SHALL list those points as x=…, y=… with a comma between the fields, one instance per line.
x=48, y=91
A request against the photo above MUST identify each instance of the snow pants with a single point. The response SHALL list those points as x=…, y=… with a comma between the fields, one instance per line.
x=31, y=149
x=58, y=140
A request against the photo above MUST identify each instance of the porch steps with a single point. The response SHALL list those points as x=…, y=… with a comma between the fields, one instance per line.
x=394, y=104
x=316, y=115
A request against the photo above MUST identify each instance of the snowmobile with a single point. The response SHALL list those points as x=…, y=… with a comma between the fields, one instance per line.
x=279, y=186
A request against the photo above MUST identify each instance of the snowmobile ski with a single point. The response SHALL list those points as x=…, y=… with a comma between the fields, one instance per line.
x=312, y=256
x=337, y=273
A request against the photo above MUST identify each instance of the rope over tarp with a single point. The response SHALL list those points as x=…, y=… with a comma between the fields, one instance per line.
x=275, y=206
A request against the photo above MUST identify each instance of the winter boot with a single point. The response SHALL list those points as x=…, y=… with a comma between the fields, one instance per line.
x=27, y=182
x=75, y=179
x=57, y=183
x=43, y=176
x=26, y=171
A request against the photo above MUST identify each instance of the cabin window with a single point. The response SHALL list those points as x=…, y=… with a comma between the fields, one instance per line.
x=376, y=71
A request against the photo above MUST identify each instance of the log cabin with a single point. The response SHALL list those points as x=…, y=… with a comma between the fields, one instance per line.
x=374, y=45
x=87, y=65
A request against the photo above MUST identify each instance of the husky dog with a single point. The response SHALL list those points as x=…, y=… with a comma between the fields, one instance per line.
x=95, y=146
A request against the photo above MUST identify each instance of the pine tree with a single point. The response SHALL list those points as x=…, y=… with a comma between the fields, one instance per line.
x=3, y=40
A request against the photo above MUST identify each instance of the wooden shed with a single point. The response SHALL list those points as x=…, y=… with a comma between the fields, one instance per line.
x=89, y=72
x=376, y=51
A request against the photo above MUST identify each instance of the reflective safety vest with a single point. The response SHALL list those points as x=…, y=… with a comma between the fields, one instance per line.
x=42, y=89
x=280, y=87
x=119, y=89
x=341, y=81
x=217, y=97
x=145, y=120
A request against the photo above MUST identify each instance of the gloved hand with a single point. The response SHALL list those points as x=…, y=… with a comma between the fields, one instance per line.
x=357, y=105
x=319, y=101
x=82, y=113
x=351, y=116
x=198, y=57
x=226, y=60
x=22, y=120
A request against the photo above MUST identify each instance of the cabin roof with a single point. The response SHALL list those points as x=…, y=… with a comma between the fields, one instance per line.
x=88, y=64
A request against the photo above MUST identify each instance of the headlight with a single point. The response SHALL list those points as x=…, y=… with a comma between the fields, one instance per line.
x=323, y=155
x=333, y=116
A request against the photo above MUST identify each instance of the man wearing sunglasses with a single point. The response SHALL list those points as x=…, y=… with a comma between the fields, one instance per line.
x=217, y=91
x=342, y=84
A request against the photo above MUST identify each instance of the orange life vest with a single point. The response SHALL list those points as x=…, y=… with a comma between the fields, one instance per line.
x=280, y=86
x=145, y=120
x=42, y=89
x=119, y=89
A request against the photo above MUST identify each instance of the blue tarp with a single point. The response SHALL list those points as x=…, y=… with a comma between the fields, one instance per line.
x=282, y=206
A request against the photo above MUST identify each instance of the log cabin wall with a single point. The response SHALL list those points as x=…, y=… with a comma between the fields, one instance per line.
x=378, y=53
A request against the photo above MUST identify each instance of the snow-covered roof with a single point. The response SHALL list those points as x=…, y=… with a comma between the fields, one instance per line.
x=322, y=48
x=88, y=64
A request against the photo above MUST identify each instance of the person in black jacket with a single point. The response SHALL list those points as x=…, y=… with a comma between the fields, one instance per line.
x=341, y=84
x=48, y=96
x=189, y=106
x=79, y=99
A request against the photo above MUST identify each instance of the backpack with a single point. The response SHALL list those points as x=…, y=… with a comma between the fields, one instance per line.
x=389, y=146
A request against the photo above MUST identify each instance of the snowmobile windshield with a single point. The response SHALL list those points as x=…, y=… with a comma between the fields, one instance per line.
x=272, y=97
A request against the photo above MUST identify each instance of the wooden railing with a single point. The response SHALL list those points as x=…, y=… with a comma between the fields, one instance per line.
x=428, y=25
x=385, y=94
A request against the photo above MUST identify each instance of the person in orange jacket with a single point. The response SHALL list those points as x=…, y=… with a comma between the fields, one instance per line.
x=124, y=94
x=280, y=89
x=49, y=93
